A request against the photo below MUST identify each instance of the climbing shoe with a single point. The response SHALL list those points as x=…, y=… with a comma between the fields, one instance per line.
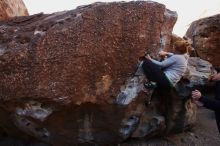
x=150, y=85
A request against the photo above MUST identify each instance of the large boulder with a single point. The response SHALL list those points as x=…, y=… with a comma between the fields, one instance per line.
x=12, y=8
x=74, y=77
x=205, y=34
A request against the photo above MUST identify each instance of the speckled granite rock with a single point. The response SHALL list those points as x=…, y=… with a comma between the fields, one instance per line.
x=205, y=34
x=74, y=77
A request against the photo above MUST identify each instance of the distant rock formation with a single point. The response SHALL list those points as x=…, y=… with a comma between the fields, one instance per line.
x=74, y=77
x=12, y=8
x=205, y=34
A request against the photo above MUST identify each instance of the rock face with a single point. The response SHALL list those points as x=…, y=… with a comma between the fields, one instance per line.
x=12, y=8
x=205, y=34
x=74, y=77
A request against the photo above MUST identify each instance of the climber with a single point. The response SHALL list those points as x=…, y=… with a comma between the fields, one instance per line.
x=165, y=74
x=213, y=104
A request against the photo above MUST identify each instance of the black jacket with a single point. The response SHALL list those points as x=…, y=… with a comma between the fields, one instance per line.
x=213, y=104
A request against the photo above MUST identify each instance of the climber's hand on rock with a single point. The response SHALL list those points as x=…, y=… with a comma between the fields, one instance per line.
x=162, y=53
x=147, y=56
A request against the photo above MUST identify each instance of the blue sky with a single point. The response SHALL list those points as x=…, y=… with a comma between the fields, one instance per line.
x=187, y=10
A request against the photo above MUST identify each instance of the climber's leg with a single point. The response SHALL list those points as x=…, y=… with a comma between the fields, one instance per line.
x=154, y=73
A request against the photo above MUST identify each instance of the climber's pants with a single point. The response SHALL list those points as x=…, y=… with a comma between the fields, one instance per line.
x=154, y=73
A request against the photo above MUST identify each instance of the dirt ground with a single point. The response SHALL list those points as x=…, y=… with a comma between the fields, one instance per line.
x=205, y=133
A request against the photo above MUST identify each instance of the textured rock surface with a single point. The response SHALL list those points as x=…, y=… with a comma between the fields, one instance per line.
x=73, y=77
x=12, y=8
x=205, y=34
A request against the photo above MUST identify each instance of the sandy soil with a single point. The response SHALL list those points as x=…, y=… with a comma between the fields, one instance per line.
x=205, y=133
